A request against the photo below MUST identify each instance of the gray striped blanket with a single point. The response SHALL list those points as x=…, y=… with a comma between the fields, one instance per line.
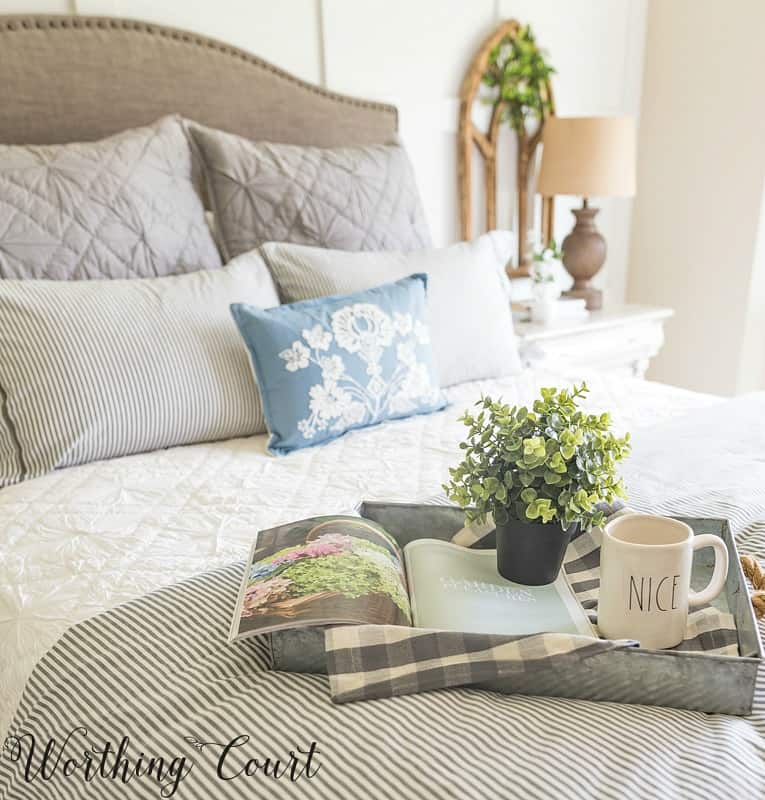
x=143, y=705
x=136, y=710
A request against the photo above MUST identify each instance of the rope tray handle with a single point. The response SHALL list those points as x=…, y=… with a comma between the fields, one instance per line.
x=756, y=576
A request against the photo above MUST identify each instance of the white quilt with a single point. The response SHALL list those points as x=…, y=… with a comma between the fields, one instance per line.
x=83, y=539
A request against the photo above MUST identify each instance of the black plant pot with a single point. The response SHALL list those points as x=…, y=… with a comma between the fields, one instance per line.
x=531, y=553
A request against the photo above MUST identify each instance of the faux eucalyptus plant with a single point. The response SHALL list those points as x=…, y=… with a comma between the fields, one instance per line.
x=553, y=463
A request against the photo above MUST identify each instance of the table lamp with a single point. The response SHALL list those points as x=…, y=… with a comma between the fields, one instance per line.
x=589, y=157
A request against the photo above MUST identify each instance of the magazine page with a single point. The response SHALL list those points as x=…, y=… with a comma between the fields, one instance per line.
x=322, y=571
x=455, y=588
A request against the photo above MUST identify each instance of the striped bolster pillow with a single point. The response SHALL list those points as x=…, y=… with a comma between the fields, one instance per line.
x=98, y=369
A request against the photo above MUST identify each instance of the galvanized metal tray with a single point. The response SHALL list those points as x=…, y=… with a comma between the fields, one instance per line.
x=691, y=680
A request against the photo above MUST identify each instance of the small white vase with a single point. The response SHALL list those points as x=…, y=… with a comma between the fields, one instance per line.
x=544, y=306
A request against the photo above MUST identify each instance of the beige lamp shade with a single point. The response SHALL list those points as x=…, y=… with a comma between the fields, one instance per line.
x=588, y=156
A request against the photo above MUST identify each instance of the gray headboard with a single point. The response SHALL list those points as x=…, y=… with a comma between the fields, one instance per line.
x=65, y=79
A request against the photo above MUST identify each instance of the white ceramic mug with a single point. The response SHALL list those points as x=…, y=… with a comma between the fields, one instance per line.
x=645, y=577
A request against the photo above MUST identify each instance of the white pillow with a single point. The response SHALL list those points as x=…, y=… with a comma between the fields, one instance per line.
x=470, y=320
x=97, y=369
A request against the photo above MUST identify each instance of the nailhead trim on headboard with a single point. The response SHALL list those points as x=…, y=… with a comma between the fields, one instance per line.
x=46, y=22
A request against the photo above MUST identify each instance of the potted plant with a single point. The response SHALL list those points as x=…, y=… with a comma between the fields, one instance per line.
x=540, y=473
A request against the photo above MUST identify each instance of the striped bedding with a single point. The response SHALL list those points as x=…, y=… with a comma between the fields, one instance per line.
x=83, y=539
x=99, y=369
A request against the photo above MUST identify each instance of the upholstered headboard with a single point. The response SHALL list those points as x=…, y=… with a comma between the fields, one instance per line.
x=65, y=79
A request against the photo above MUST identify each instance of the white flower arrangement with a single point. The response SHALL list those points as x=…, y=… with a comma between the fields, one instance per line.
x=546, y=263
x=549, y=280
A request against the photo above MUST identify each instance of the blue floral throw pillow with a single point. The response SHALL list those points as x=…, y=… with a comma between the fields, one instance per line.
x=329, y=365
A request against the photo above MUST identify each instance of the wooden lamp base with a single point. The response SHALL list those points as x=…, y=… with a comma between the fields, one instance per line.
x=592, y=297
x=584, y=253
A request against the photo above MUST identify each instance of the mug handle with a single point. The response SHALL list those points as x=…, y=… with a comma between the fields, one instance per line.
x=719, y=574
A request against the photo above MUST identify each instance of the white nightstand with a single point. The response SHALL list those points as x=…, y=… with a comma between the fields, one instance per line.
x=618, y=339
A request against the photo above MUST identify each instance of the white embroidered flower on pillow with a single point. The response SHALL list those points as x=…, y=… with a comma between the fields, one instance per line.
x=318, y=338
x=296, y=357
x=365, y=329
x=392, y=381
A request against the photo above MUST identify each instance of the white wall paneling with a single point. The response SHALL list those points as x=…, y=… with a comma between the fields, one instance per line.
x=37, y=6
x=412, y=54
x=286, y=33
x=415, y=51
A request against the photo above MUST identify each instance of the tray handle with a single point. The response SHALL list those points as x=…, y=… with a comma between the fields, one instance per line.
x=756, y=577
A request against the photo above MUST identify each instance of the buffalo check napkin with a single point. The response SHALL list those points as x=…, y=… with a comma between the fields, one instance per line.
x=365, y=662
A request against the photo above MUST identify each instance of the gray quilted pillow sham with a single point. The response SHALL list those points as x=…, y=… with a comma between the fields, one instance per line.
x=148, y=364
x=121, y=207
x=344, y=198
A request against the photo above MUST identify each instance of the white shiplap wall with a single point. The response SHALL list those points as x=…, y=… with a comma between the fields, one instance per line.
x=413, y=53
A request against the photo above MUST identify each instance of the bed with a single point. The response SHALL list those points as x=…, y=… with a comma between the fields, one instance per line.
x=86, y=538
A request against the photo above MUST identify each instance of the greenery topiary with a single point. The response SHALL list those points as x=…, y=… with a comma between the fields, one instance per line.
x=554, y=463
x=517, y=74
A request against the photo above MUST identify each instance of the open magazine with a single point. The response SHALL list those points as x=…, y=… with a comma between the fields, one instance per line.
x=343, y=569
